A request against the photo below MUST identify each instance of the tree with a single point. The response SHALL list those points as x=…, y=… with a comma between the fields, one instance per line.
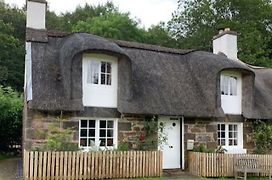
x=159, y=35
x=66, y=21
x=11, y=105
x=195, y=22
x=113, y=25
x=11, y=58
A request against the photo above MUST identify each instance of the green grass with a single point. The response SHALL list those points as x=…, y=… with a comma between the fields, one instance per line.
x=3, y=157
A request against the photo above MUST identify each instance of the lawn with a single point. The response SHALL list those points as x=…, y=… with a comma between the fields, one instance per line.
x=3, y=157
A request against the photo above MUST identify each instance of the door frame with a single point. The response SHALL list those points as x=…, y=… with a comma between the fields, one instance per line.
x=182, y=158
x=182, y=143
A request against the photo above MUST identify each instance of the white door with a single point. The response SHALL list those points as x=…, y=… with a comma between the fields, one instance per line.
x=170, y=129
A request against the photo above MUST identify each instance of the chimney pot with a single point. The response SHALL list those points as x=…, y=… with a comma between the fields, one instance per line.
x=227, y=29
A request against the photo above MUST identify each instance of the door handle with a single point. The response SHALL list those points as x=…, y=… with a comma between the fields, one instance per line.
x=171, y=147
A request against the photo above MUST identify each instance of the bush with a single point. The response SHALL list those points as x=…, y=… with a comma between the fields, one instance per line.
x=11, y=106
x=58, y=139
x=262, y=135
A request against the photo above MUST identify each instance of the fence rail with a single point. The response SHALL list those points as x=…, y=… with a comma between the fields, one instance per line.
x=91, y=165
x=222, y=165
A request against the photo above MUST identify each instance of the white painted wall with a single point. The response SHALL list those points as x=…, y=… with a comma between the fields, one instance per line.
x=28, y=72
x=35, y=15
x=226, y=44
x=233, y=104
x=95, y=95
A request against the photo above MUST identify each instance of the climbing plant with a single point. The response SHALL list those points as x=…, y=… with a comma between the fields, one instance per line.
x=153, y=135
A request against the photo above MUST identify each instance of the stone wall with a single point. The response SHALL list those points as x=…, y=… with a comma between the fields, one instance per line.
x=202, y=131
x=36, y=124
x=248, y=135
x=129, y=130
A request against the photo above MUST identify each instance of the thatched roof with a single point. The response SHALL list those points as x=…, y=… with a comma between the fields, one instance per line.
x=152, y=79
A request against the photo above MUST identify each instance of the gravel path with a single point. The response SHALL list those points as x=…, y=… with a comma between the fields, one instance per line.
x=10, y=169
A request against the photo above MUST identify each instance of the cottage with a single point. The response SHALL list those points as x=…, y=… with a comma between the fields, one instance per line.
x=106, y=88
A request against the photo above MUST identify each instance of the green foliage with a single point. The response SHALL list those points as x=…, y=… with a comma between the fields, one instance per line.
x=112, y=25
x=123, y=147
x=159, y=35
x=262, y=135
x=202, y=148
x=196, y=22
x=11, y=105
x=67, y=21
x=58, y=139
x=12, y=32
x=152, y=135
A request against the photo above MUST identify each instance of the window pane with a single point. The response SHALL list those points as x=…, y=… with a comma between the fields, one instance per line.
x=103, y=67
x=91, y=142
x=83, y=133
x=110, y=142
x=223, y=142
x=91, y=132
x=230, y=127
x=103, y=133
x=83, y=123
x=102, y=124
x=235, y=127
x=103, y=79
x=109, y=124
x=108, y=67
x=102, y=142
x=83, y=141
x=235, y=142
x=108, y=79
x=230, y=135
x=230, y=142
x=109, y=133
x=92, y=123
x=93, y=72
x=235, y=134
x=223, y=127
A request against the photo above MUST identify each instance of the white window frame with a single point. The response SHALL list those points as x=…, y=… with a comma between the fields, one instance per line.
x=97, y=134
x=100, y=61
x=233, y=148
x=99, y=95
x=232, y=104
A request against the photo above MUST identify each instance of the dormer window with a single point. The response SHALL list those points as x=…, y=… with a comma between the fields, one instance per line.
x=231, y=92
x=99, y=80
x=99, y=72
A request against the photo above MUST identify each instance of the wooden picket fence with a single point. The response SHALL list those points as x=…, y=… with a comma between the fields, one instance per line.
x=91, y=165
x=222, y=165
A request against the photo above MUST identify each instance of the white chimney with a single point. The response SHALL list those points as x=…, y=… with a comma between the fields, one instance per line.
x=35, y=14
x=226, y=42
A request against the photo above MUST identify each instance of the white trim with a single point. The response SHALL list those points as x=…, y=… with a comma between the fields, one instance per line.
x=232, y=104
x=99, y=95
x=28, y=72
x=182, y=142
x=97, y=120
x=240, y=143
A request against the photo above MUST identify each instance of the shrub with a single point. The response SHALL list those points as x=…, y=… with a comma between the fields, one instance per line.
x=262, y=136
x=11, y=106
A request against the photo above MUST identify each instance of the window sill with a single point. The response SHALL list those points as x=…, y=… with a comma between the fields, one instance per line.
x=235, y=150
